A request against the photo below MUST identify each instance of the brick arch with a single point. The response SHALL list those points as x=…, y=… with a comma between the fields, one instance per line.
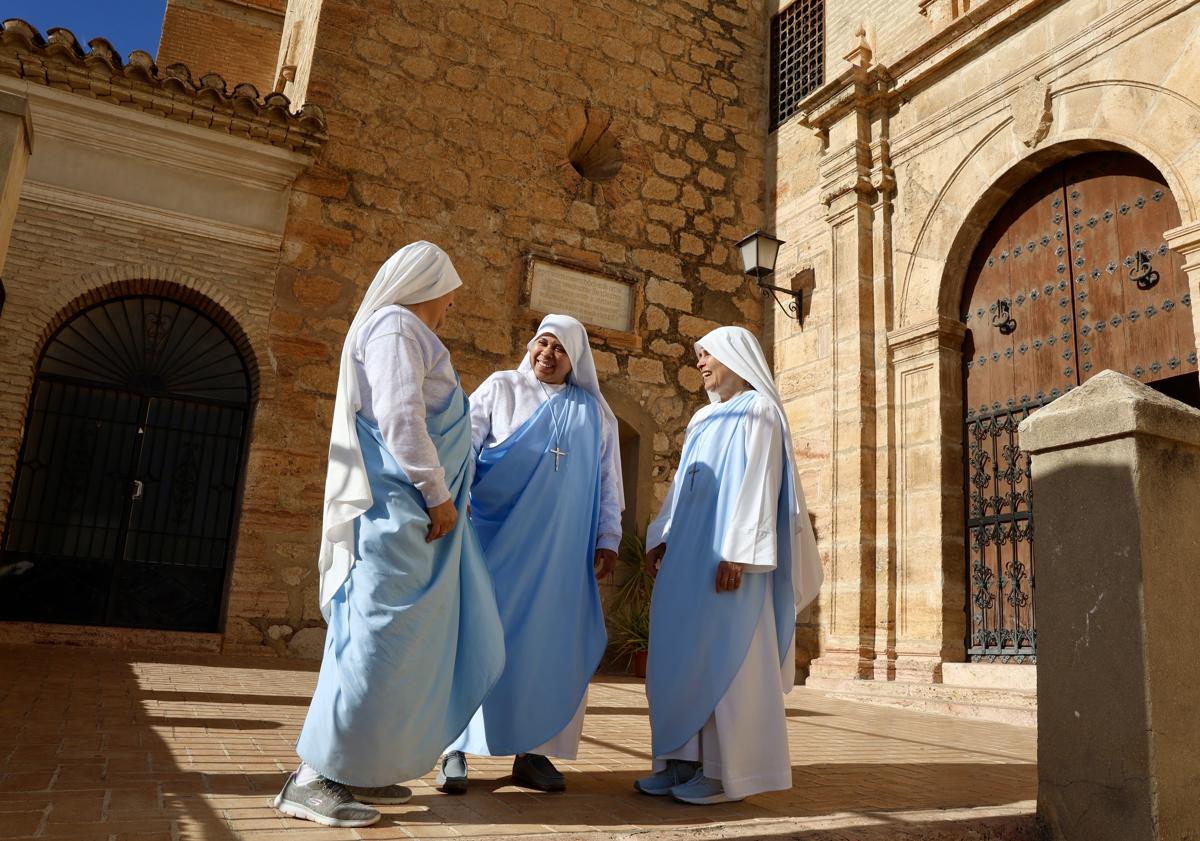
x=998, y=165
x=230, y=314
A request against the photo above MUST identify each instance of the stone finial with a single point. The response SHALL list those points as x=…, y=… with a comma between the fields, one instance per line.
x=860, y=55
x=1031, y=112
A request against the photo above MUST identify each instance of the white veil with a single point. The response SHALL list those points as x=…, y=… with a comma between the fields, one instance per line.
x=416, y=273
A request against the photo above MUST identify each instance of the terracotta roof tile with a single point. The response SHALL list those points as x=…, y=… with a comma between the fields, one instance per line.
x=59, y=61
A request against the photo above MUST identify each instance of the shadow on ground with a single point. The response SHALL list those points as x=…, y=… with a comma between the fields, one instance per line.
x=110, y=745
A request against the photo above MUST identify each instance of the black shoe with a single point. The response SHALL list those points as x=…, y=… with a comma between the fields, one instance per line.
x=452, y=775
x=533, y=770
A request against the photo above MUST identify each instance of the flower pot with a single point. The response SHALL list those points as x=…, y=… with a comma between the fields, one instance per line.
x=639, y=663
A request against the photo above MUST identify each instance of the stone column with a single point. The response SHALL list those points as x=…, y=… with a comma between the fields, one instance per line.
x=1116, y=476
x=16, y=144
x=926, y=370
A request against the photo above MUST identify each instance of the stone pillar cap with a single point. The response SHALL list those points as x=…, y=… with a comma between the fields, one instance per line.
x=1109, y=405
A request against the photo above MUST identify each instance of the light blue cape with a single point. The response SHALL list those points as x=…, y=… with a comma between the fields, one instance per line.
x=414, y=641
x=538, y=529
x=699, y=637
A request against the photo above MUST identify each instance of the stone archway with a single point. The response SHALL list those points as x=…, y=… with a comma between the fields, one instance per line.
x=124, y=506
x=637, y=430
x=1072, y=276
x=932, y=260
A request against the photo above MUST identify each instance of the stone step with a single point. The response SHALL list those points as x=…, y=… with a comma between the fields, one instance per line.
x=1007, y=706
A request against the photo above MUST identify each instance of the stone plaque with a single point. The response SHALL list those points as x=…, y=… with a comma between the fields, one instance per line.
x=592, y=298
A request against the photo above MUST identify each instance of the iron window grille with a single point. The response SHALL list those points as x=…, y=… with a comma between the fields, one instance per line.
x=797, y=57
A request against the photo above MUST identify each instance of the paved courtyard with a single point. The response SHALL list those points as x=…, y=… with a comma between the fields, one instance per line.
x=98, y=744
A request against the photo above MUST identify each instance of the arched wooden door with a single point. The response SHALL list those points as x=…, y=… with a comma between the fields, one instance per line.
x=1072, y=277
x=123, y=505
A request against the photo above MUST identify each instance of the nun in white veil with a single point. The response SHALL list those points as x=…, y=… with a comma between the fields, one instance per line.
x=547, y=504
x=414, y=640
x=735, y=558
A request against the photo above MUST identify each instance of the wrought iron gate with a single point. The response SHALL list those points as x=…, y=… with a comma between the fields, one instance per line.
x=999, y=538
x=123, y=504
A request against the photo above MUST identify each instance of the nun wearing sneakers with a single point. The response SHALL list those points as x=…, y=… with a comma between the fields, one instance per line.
x=414, y=641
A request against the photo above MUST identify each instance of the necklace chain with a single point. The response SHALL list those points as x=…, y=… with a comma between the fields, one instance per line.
x=557, y=450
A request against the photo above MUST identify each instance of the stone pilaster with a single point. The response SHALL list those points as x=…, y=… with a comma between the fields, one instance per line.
x=850, y=590
x=926, y=372
x=857, y=191
x=1186, y=241
x=16, y=145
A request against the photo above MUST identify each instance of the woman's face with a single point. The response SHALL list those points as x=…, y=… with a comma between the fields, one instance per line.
x=433, y=312
x=717, y=378
x=551, y=364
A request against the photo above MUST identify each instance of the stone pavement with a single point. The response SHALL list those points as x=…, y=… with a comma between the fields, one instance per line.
x=99, y=744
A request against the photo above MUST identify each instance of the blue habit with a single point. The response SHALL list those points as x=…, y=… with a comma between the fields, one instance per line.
x=699, y=637
x=538, y=528
x=414, y=641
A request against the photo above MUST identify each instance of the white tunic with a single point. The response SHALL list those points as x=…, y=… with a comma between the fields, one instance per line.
x=744, y=743
x=403, y=367
x=506, y=399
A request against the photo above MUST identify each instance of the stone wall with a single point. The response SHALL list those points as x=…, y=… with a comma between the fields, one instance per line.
x=883, y=184
x=238, y=39
x=893, y=28
x=469, y=123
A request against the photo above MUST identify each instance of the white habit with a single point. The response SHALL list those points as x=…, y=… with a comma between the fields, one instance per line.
x=404, y=370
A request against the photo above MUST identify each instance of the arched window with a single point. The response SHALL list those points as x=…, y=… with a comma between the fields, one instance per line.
x=124, y=500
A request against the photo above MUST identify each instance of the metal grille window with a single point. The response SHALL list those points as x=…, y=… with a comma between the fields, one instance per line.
x=797, y=56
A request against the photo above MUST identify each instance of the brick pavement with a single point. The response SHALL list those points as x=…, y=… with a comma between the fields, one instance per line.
x=98, y=744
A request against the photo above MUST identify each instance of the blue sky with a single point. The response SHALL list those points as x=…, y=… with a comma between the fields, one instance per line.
x=128, y=24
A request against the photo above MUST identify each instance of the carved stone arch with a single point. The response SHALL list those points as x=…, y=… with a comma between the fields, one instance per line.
x=980, y=183
x=163, y=279
x=636, y=425
x=925, y=346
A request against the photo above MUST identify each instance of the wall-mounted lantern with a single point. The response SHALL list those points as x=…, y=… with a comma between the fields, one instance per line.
x=759, y=252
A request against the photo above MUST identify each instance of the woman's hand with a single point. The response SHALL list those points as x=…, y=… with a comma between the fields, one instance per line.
x=441, y=520
x=729, y=576
x=604, y=562
x=654, y=559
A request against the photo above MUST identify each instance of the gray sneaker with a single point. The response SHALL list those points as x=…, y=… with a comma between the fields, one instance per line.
x=392, y=795
x=452, y=773
x=325, y=802
x=702, y=791
x=677, y=772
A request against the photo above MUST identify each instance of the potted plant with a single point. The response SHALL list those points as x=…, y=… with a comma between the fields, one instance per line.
x=629, y=611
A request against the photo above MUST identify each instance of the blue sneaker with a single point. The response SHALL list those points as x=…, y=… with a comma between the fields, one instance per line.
x=702, y=791
x=677, y=772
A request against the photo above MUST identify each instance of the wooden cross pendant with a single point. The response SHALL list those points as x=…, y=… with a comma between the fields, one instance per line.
x=557, y=455
x=692, y=476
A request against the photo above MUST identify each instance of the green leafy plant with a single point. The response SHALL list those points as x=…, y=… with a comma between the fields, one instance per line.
x=629, y=611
